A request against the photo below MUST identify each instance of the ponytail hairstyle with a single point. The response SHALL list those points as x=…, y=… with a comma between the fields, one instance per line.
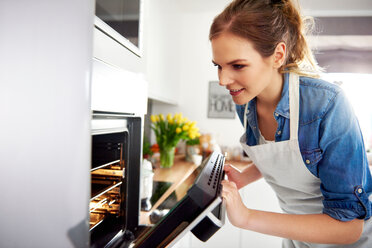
x=266, y=23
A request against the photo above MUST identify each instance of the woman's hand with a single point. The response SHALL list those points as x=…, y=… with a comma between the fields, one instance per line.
x=234, y=175
x=242, y=178
x=236, y=211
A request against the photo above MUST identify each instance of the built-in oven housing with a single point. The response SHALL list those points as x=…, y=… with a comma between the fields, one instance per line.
x=115, y=175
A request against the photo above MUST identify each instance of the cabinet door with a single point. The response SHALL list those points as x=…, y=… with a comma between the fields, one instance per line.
x=260, y=196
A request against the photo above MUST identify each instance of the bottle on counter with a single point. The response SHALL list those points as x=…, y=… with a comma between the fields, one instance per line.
x=146, y=184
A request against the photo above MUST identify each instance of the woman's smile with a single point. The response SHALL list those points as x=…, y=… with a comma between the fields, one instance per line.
x=236, y=92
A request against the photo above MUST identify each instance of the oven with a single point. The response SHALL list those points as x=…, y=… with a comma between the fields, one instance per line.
x=119, y=103
x=118, y=107
x=115, y=175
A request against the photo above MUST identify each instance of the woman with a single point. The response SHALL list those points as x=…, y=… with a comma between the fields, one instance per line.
x=300, y=131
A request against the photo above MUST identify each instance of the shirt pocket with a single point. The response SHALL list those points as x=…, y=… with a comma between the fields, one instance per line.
x=311, y=159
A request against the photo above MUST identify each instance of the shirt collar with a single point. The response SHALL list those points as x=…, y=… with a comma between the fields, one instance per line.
x=283, y=105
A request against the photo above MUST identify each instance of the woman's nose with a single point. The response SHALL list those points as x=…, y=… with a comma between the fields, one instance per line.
x=225, y=78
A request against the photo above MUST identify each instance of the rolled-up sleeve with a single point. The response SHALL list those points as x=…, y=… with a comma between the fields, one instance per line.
x=343, y=170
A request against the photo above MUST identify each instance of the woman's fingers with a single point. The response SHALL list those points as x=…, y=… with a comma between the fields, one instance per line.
x=227, y=168
x=234, y=205
x=228, y=188
x=228, y=184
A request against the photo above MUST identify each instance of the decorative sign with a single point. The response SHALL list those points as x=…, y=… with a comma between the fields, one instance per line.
x=220, y=103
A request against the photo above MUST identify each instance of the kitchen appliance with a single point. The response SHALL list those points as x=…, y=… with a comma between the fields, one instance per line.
x=119, y=103
x=115, y=176
x=200, y=211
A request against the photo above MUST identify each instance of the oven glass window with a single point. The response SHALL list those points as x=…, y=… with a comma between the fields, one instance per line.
x=122, y=16
x=107, y=172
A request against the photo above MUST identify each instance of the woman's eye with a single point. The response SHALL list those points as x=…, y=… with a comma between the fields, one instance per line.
x=238, y=67
x=218, y=66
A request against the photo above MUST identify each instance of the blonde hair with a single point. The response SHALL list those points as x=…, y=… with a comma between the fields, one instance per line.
x=266, y=23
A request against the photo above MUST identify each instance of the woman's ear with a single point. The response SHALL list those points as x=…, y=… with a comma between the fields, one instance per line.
x=279, y=55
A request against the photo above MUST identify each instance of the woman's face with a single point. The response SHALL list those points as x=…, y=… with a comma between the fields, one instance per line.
x=241, y=69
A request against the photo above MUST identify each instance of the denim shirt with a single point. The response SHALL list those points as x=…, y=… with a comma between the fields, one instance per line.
x=331, y=145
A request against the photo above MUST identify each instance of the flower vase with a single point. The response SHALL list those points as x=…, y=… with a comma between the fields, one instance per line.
x=190, y=151
x=167, y=157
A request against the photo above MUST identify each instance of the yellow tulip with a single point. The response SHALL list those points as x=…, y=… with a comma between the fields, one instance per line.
x=161, y=116
x=185, y=127
x=194, y=129
x=178, y=130
x=193, y=124
x=153, y=118
x=179, y=121
x=192, y=135
x=169, y=117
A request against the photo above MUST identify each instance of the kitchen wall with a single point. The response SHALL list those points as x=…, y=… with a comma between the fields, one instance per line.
x=192, y=69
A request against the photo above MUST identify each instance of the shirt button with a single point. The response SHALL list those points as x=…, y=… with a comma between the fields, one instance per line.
x=360, y=191
x=279, y=132
x=307, y=161
x=276, y=114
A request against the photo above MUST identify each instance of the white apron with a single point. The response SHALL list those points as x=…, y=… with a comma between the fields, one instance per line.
x=281, y=164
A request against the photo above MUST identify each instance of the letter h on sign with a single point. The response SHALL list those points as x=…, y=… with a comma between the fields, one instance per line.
x=220, y=103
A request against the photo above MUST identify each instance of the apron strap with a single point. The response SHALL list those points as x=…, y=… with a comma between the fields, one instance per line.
x=245, y=116
x=294, y=105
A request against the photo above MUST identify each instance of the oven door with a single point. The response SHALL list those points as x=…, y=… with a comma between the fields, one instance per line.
x=201, y=210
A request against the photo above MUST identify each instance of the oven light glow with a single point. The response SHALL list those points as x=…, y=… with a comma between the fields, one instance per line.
x=97, y=205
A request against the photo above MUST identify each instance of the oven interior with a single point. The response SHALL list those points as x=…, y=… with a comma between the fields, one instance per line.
x=115, y=174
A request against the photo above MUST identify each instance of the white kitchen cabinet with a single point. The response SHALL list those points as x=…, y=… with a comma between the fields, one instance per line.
x=158, y=53
x=162, y=50
x=111, y=46
x=260, y=196
x=46, y=51
x=111, y=52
